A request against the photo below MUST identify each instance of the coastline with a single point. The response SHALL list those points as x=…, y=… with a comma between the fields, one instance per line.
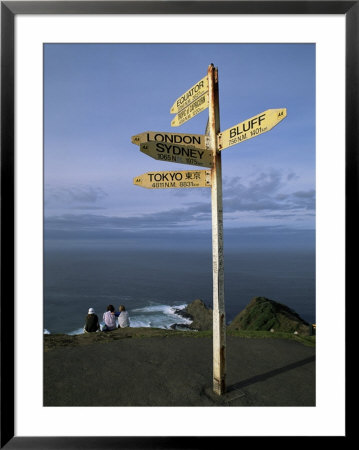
x=173, y=317
x=259, y=317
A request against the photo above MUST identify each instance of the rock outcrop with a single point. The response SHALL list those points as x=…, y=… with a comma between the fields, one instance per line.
x=262, y=314
x=200, y=315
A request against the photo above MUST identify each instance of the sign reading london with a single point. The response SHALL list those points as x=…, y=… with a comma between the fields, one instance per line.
x=198, y=140
x=189, y=96
x=180, y=179
x=250, y=128
x=182, y=154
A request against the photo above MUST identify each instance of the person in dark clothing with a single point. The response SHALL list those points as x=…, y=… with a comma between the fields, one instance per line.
x=91, y=324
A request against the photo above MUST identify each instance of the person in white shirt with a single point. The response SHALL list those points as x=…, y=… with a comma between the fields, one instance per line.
x=123, y=319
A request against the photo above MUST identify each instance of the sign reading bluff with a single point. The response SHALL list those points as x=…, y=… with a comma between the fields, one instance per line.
x=250, y=128
x=180, y=179
x=182, y=154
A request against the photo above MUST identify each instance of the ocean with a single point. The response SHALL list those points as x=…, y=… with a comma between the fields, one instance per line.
x=153, y=283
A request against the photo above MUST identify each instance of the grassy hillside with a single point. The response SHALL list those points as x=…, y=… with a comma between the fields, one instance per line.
x=262, y=314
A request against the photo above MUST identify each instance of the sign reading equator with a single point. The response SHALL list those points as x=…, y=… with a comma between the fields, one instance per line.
x=250, y=128
x=198, y=140
x=181, y=154
x=179, y=179
x=189, y=96
x=194, y=108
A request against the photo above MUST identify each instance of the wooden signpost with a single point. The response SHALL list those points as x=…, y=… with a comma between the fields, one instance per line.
x=204, y=151
x=219, y=316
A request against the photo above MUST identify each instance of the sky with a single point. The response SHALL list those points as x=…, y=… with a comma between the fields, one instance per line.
x=97, y=96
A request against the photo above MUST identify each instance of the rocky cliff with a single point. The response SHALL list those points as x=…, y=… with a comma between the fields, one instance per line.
x=200, y=315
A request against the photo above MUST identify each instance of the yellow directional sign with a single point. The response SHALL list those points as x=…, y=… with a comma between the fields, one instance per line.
x=189, y=96
x=182, y=154
x=199, y=105
x=198, y=140
x=181, y=179
x=250, y=128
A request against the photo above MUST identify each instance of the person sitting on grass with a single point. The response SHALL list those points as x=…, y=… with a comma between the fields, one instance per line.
x=91, y=322
x=109, y=318
x=123, y=319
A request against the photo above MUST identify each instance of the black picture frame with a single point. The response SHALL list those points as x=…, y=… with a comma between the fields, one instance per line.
x=9, y=9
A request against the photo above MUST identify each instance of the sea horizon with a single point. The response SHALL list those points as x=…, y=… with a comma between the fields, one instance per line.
x=152, y=283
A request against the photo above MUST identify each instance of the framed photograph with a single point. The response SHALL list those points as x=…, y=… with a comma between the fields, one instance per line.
x=177, y=181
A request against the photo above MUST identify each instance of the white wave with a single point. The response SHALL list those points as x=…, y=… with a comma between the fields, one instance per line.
x=153, y=308
x=157, y=316
x=180, y=306
x=46, y=331
x=141, y=324
x=164, y=309
x=75, y=332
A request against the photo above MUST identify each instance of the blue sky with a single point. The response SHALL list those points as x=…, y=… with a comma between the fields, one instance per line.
x=96, y=96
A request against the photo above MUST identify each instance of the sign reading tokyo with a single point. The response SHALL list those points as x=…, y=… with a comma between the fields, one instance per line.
x=190, y=96
x=194, y=108
x=250, y=128
x=182, y=154
x=180, y=179
x=197, y=140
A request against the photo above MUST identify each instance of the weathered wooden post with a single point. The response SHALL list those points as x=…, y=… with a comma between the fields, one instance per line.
x=219, y=320
x=203, y=151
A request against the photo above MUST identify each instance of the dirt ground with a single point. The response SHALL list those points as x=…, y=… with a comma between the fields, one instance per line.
x=121, y=368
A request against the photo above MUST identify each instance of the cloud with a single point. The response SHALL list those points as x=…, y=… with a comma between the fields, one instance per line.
x=76, y=196
x=101, y=223
x=266, y=192
x=264, y=198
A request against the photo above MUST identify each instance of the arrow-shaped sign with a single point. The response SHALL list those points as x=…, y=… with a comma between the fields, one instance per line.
x=198, y=140
x=199, y=105
x=182, y=154
x=189, y=96
x=250, y=128
x=180, y=179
